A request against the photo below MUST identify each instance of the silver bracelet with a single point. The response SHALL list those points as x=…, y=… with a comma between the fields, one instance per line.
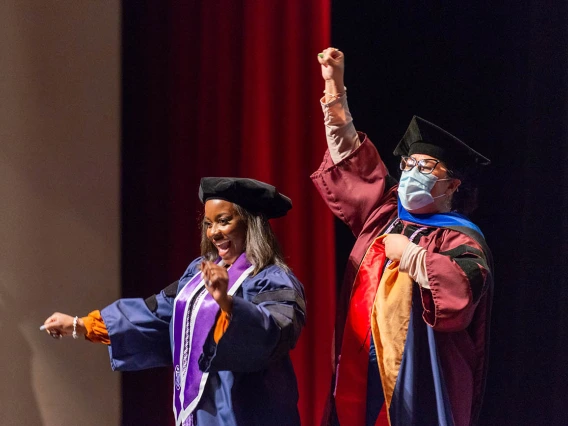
x=334, y=96
x=75, y=336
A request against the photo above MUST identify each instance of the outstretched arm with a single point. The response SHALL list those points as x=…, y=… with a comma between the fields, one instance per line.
x=136, y=330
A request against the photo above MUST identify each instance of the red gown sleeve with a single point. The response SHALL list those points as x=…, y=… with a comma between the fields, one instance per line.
x=355, y=187
x=457, y=276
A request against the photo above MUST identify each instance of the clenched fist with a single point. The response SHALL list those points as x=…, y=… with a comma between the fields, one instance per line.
x=395, y=245
x=216, y=282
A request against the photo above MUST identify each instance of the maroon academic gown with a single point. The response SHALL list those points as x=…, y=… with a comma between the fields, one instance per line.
x=360, y=192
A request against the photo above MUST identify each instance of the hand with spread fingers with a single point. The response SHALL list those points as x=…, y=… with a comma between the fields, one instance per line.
x=216, y=282
x=60, y=325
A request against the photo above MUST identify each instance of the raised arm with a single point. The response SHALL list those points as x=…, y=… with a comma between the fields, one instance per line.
x=352, y=179
x=342, y=138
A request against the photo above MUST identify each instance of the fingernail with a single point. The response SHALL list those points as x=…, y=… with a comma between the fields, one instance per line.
x=320, y=55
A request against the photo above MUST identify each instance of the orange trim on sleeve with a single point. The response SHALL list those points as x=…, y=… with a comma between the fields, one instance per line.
x=96, y=328
x=221, y=326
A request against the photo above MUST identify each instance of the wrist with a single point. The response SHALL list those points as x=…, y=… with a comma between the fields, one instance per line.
x=334, y=86
x=226, y=304
x=334, y=90
x=80, y=328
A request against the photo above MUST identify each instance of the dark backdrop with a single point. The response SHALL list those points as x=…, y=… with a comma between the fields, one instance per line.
x=496, y=75
x=223, y=88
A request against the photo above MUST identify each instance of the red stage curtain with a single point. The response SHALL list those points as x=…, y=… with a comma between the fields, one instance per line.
x=224, y=88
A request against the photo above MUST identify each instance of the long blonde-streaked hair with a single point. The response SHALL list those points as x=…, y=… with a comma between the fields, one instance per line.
x=261, y=246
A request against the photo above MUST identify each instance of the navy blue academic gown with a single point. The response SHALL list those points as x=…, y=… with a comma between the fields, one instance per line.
x=251, y=379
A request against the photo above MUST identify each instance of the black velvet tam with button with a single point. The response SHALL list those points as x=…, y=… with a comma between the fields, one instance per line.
x=257, y=197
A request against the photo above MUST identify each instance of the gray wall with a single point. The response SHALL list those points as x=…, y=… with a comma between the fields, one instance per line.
x=59, y=195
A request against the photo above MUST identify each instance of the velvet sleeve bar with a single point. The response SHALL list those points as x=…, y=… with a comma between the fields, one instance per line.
x=265, y=324
x=457, y=276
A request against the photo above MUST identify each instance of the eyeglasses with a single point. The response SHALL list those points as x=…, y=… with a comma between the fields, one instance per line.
x=425, y=166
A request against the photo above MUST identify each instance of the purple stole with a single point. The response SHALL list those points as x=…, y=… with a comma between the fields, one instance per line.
x=194, y=315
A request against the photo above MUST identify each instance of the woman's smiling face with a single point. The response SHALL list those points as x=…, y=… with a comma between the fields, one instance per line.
x=225, y=229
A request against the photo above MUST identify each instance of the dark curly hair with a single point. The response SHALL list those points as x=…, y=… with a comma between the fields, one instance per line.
x=465, y=199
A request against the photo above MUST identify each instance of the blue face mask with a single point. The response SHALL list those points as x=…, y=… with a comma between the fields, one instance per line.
x=414, y=189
